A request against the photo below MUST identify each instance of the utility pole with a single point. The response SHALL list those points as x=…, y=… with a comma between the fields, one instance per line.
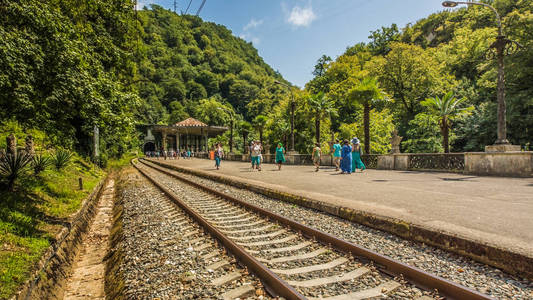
x=498, y=50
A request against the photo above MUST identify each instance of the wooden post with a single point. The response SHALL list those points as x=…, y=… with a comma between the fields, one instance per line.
x=80, y=183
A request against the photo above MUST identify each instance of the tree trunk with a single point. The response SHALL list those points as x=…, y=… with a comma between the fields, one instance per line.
x=366, y=122
x=261, y=135
x=445, y=134
x=245, y=145
x=317, y=127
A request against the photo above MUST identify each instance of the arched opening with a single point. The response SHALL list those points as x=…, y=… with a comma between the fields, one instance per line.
x=148, y=146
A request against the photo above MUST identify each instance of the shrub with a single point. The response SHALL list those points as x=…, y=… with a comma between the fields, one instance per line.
x=40, y=163
x=62, y=158
x=12, y=166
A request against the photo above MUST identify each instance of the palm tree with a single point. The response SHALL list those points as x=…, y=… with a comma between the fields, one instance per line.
x=366, y=91
x=322, y=107
x=259, y=124
x=447, y=109
x=245, y=129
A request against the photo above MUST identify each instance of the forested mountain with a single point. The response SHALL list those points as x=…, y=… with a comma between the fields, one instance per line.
x=67, y=66
x=186, y=66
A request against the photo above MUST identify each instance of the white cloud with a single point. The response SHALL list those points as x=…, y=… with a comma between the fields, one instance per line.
x=301, y=16
x=141, y=4
x=252, y=24
x=248, y=37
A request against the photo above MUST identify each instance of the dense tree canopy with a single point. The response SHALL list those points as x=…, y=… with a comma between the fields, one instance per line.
x=67, y=66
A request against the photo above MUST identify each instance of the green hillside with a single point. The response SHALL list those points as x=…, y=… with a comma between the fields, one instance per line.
x=183, y=60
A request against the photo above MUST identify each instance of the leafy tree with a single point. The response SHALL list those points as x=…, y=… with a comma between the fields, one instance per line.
x=447, y=109
x=364, y=93
x=209, y=112
x=422, y=136
x=259, y=123
x=246, y=128
x=321, y=65
x=410, y=74
x=322, y=107
x=177, y=113
x=381, y=126
x=381, y=39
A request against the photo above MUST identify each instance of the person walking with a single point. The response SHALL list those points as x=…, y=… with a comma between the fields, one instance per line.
x=346, y=161
x=357, y=163
x=256, y=158
x=337, y=155
x=316, y=156
x=280, y=155
x=219, y=152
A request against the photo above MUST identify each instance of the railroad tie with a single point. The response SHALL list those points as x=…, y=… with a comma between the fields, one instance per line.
x=329, y=265
x=271, y=242
x=226, y=278
x=332, y=279
x=379, y=291
x=240, y=292
x=260, y=236
x=247, y=230
x=218, y=265
x=294, y=257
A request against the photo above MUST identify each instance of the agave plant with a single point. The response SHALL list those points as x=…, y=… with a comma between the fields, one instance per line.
x=40, y=163
x=13, y=165
x=62, y=158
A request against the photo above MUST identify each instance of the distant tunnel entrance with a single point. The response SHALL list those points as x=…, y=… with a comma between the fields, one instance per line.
x=149, y=146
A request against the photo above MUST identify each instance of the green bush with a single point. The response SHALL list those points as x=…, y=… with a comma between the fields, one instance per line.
x=62, y=158
x=13, y=165
x=40, y=163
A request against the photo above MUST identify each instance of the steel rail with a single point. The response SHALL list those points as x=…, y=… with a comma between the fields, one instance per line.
x=418, y=277
x=272, y=282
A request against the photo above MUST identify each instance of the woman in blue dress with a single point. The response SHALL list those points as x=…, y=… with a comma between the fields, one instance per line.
x=357, y=163
x=346, y=160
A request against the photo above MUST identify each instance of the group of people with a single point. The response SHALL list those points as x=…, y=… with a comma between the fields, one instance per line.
x=348, y=157
x=169, y=154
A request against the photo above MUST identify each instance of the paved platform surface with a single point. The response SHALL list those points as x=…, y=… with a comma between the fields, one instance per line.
x=493, y=210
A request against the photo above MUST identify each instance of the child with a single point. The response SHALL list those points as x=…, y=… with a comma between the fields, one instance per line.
x=316, y=156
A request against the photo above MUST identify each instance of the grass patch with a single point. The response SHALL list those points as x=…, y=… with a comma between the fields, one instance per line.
x=34, y=213
x=116, y=164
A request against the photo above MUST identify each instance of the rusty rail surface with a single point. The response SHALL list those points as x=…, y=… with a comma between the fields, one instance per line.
x=418, y=277
x=272, y=282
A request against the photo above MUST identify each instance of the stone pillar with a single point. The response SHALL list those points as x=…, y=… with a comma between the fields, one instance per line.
x=196, y=138
x=206, y=144
x=11, y=142
x=177, y=142
x=164, y=141
x=29, y=148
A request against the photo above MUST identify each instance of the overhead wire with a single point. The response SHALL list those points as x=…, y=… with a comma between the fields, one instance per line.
x=201, y=6
x=188, y=6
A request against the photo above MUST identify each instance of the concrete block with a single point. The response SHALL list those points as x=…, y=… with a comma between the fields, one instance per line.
x=386, y=162
x=513, y=164
x=401, y=162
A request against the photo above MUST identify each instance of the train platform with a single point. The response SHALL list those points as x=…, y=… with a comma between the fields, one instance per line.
x=493, y=211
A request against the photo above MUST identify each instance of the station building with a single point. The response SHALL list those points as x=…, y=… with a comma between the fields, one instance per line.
x=189, y=134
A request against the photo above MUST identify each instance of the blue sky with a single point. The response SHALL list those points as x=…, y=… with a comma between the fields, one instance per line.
x=291, y=35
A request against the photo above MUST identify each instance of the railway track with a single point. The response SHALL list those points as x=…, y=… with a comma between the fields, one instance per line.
x=295, y=261
x=180, y=258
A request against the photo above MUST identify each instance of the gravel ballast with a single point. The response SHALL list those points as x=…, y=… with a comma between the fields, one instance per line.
x=465, y=271
x=161, y=260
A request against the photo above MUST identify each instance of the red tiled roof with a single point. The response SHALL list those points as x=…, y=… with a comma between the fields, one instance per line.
x=190, y=122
